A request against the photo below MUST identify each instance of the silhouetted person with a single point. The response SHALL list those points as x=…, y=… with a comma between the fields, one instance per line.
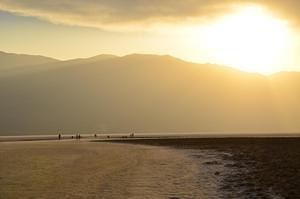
x=95, y=135
x=59, y=136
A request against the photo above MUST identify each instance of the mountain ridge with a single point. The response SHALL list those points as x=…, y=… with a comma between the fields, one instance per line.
x=147, y=93
x=101, y=57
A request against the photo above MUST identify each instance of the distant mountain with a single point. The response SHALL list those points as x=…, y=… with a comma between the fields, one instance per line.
x=147, y=93
x=11, y=60
x=16, y=64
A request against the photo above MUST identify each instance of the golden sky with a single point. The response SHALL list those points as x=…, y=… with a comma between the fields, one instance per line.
x=255, y=35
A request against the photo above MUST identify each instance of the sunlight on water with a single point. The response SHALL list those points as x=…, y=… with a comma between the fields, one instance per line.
x=81, y=169
x=95, y=170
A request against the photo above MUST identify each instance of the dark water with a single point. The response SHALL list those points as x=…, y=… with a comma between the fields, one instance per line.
x=243, y=167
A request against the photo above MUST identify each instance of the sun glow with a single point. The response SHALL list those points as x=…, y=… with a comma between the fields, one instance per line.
x=251, y=40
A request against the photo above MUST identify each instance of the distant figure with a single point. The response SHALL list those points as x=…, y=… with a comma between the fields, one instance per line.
x=108, y=136
x=95, y=135
x=79, y=136
x=59, y=136
x=72, y=136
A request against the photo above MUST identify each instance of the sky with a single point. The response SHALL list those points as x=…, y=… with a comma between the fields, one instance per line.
x=256, y=35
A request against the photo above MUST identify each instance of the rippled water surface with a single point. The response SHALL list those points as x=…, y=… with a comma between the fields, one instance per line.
x=95, y=170
x=174, y=169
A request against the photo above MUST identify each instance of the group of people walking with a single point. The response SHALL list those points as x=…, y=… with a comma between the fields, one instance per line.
x=77, y=136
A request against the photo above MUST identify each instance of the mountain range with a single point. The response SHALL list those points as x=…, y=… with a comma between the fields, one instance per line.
x=142, y=93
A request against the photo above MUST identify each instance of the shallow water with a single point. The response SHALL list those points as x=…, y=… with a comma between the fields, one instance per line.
x=202, y=169
x=96, y=170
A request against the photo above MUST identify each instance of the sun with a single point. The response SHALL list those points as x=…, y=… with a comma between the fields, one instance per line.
x=251, y=40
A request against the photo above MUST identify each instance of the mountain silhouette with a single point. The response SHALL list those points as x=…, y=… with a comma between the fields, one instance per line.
x=145, y=93
x=12, y=62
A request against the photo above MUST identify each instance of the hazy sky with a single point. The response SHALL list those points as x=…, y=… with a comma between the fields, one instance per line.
x=258, y=35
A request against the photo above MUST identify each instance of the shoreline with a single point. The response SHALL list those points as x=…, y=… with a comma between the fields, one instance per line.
x=141, y=137
x=203, y=142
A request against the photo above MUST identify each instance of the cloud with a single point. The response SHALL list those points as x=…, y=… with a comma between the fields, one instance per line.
x=123, y=13
x=288, y=9
x=107, y=13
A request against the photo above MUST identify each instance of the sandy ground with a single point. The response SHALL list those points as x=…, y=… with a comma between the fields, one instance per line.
x=81, y=169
